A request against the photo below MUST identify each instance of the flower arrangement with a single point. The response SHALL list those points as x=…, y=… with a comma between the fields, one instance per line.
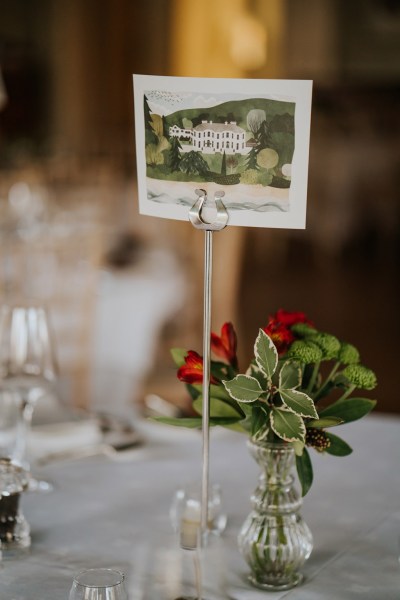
x=298, y=385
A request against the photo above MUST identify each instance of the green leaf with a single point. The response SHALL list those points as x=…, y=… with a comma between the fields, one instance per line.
x=220, y=370
x=218, y=391
x=178, y=356
x=255, y=371
x=325, y=422
x=238, y=426
x=338, y=446
x=289, y=376
x=349, y=409
x=191, y=422
x=194, y=390
x=258, y=419
x=243, y=388
x=299, y=403
x=304, y=471
x=266, y=354
x=195, y=422
x=287, y=425
x=218, y=408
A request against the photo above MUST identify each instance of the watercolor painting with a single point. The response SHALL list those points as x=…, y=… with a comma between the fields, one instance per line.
x=216, y=139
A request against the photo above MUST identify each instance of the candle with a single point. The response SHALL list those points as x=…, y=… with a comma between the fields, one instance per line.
x=190, y=524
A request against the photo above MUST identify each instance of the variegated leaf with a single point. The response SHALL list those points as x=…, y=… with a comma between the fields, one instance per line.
x=243, y=388
x=289, y=376
x=261, y=434
x=255, y=371
x=287, y=425
x=299, y=403
x=266, y=354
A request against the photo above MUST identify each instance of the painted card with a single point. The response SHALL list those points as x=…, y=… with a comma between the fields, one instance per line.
x=248, y=138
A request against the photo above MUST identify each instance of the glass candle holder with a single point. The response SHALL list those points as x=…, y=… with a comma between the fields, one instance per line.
x=185, y=512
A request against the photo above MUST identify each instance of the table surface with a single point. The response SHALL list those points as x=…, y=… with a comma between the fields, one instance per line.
x=103, y=512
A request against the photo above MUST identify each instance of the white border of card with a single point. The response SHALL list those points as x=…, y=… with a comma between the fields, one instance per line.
x=247, y=205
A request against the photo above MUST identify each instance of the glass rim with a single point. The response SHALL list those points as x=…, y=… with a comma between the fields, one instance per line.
x=118, y=581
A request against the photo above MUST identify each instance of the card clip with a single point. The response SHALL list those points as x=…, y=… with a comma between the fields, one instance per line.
x=195, y=213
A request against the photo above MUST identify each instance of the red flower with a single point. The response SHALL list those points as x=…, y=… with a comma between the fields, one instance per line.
x=225, y=346
x=288, y=319
x=280, y=335
x=192, y=370
x=279, y=325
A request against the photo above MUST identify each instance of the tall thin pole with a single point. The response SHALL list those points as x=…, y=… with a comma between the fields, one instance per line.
x=220, y=221
x=206, y=380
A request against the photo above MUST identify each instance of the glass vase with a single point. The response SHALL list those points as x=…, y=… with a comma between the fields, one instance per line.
x=274, y=540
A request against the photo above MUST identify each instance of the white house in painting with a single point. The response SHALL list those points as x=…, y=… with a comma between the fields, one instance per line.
x=176, y=131
x=212, y=137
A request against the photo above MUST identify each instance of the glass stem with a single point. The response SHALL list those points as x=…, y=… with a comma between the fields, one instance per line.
x=24, y=426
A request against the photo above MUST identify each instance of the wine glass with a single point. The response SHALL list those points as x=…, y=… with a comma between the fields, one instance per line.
x=27, y=368
x=98, y=584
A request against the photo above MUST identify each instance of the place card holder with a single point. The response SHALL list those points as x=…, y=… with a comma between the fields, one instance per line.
x=199, y=220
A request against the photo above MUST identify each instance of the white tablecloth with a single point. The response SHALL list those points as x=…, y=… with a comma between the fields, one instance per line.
x=103, y=512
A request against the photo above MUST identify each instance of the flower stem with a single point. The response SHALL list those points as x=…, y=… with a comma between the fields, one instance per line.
x=313, y=377
x=347, y=393
x=327, y=380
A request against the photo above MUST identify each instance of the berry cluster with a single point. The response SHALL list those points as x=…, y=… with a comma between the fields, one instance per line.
x=318, y=439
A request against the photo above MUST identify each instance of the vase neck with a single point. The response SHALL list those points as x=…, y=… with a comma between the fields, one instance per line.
x=276, y=460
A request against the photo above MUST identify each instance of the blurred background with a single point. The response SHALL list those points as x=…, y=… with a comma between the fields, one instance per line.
x=121, y=288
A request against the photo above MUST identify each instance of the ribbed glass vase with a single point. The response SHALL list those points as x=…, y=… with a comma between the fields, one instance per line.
x=274, y=539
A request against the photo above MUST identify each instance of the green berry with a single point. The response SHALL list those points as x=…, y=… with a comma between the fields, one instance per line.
x=303, y=330
x=360, y=376
x=305, y=351
x=329, y=345
x=348, y=354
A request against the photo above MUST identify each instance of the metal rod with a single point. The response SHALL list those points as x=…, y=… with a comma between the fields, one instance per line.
x=206, y=380
x=220, y=221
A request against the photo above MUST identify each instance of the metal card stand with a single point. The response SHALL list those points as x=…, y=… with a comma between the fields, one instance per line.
x=220, y=221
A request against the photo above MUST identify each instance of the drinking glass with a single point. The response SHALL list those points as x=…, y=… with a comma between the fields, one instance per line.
x=27, y=366
x=98, y=584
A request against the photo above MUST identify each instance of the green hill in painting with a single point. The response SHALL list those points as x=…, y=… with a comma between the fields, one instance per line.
x=234, y=110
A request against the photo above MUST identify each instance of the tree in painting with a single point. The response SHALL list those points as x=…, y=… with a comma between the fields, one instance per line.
x=174, y=155
x=193, y=163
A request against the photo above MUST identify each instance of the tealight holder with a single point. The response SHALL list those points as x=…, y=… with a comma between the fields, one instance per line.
x=185, y=511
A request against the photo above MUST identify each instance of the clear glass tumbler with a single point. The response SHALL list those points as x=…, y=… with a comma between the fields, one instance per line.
x=98, y=584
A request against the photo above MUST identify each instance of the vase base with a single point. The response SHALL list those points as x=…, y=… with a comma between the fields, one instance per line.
x=295, y=580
